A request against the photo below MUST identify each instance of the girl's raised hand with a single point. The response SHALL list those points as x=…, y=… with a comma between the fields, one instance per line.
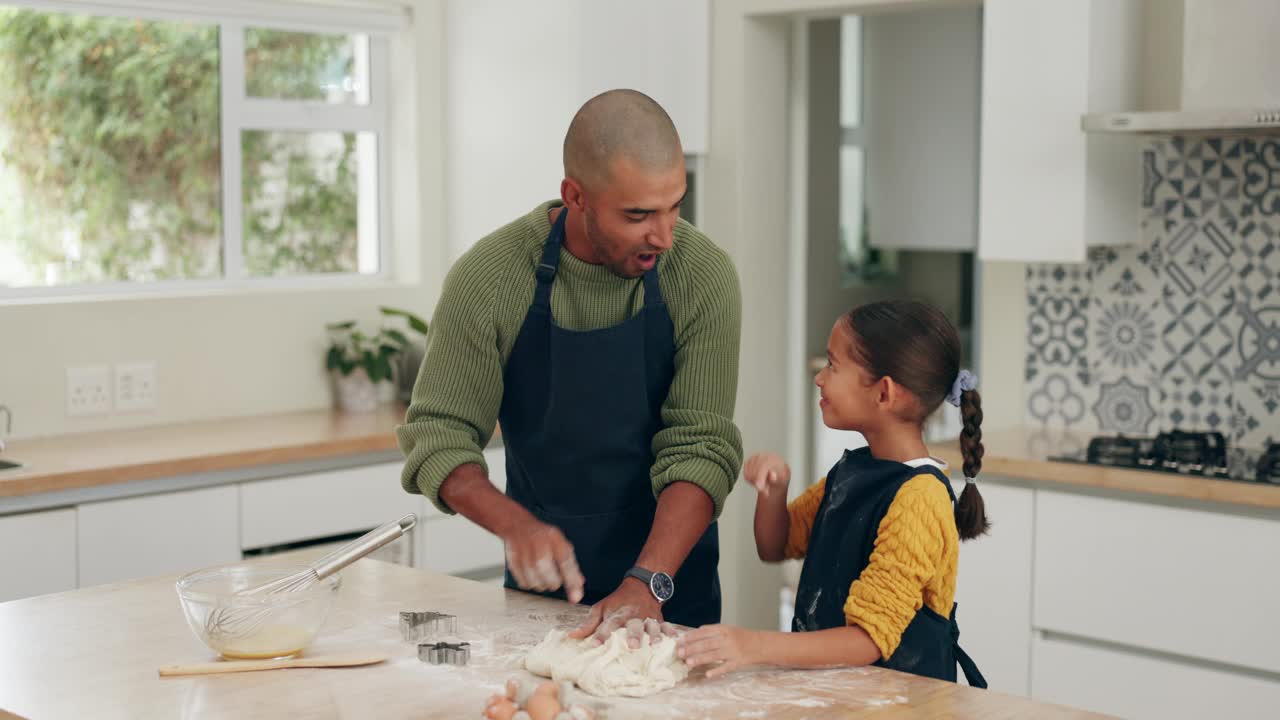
x=767, y=473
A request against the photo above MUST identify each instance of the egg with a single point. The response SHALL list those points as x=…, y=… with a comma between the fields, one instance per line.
x=504, y=709
x=543, y=707
x=582, y=712
x=548, y=688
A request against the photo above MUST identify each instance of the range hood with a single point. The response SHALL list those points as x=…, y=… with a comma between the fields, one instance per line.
x=1209, y=68
x=1184, y=122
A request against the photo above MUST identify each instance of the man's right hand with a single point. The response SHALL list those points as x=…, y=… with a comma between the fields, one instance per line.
x=542, y=559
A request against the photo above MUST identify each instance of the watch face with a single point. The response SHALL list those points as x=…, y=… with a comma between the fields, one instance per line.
x=663, y=586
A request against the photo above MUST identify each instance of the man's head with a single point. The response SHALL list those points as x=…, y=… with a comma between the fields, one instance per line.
x=624, y=179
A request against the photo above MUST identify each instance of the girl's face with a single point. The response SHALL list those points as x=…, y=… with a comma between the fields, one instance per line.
x=851, y=398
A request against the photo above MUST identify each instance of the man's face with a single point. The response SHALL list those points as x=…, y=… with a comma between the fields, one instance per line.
x=630, y=219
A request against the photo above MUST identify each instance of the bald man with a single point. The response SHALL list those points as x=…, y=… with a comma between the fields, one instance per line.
x=602, y=331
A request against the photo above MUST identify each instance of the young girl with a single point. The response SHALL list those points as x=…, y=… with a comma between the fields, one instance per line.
x=879, y=535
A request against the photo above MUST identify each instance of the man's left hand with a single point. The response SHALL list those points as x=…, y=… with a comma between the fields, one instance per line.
x=630, y=606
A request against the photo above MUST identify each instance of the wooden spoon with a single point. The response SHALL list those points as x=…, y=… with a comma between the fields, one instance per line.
x=233, y=666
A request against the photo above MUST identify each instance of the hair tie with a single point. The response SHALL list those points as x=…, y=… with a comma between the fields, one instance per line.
x=965, y=382
x=970, y=481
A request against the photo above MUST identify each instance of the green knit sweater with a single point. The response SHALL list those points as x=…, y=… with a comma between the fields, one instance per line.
x=486, y=296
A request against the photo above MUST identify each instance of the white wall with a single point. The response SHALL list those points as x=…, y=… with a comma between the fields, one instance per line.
x=231, y=354
x=1000, y=339
x=518, y=71
x=512, y=90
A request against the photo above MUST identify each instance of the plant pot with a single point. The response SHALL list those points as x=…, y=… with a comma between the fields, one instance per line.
x=355, y=393
x=410, y=364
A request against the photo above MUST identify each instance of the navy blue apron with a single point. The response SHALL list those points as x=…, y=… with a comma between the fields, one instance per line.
x=859, y=491
x=579, y=413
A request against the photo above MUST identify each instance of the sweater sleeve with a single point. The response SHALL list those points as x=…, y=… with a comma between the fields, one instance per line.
x=699, y=442
x=456, y=398
x=802, y=512
x=908, y=552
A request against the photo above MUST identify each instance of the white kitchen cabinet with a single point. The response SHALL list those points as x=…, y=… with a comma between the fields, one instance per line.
x=1048, y=190
x=1190, y=582
x=1139, y=686
x=37, y=553
x=922, y=71
x=157, y=534
x=453, y=544
x=993, y=588
x=659, y=47
x=324, y=504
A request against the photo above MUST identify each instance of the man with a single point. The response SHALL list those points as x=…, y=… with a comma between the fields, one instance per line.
x=602, y=332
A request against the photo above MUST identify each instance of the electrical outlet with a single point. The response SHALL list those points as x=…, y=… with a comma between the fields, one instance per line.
x=88, y=390
x=136, y=387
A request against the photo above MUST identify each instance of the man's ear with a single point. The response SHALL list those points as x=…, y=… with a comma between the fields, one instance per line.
x=572, y=194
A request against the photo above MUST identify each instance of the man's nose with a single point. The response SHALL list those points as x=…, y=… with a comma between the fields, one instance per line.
x=662, y=235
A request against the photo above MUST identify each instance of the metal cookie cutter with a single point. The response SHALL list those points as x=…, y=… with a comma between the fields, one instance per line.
x=419, y=626
x=444, y=653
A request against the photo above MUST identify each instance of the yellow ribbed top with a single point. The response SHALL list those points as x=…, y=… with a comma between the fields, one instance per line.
x=914, y=563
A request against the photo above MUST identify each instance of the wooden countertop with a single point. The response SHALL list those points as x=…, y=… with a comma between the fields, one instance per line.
x=69, y=462
x=1021, y=453
x=95, y=652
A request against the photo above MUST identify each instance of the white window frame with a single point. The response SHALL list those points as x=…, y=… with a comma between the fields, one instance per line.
x=239, y=113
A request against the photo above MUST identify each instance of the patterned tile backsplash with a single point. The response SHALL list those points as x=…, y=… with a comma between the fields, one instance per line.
x=1181, y=330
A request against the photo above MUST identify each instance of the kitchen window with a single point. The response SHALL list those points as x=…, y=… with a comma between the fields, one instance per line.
x=148, y=144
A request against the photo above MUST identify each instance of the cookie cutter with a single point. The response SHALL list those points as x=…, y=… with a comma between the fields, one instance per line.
x=445, y=653
x=419, y=626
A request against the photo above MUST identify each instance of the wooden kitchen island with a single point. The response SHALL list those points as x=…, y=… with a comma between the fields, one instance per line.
x=94, y=653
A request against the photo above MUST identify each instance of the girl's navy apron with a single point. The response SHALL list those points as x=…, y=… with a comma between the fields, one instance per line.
x=859, y=490
x=579, y=413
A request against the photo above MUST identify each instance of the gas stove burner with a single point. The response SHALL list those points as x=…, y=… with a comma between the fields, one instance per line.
x=1191, y=452
x=1120, y=450
x=1203, y=454
x=1269, y=465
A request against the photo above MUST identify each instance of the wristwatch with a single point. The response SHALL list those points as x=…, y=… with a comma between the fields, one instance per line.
x=660, y=583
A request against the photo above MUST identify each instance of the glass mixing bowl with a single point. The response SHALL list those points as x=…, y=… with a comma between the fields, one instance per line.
x=255, y=626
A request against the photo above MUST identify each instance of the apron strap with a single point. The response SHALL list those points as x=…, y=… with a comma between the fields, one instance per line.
x=550, y=262
x=652, y=290
x=971, y=673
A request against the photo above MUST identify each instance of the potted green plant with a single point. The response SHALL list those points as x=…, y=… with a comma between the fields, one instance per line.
x=410, y=358
x=360, y=362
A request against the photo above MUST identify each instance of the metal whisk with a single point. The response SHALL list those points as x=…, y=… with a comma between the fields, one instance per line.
x=236, y=621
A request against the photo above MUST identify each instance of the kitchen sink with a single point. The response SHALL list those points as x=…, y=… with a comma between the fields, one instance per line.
x=9, y=464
